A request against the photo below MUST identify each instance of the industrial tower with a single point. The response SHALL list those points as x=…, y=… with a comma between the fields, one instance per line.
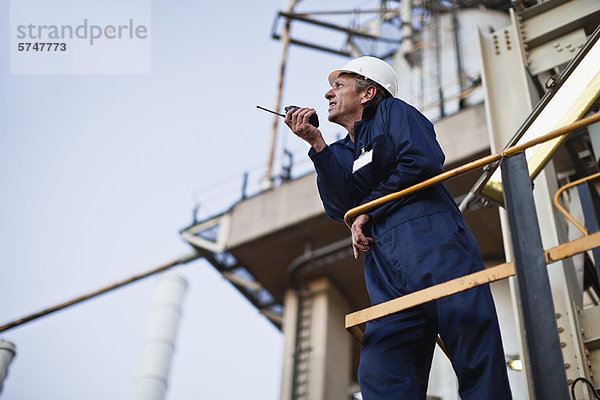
x=482, y=71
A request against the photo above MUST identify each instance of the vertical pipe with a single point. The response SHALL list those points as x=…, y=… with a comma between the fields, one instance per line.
x=549, y=379
x=458, y=52
x=7, y=353
x=244, y=185
x=406, y=42
x=159, y=345
x=421, y=60
x=285, y=42
x=438, y=58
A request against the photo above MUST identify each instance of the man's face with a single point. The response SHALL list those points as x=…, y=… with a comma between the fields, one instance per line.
x=345, y=106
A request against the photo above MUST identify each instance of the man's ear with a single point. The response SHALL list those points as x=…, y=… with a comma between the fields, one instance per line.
x=368, y=94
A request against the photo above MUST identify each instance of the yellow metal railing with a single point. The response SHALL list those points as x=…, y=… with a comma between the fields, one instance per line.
x=355, y=319
x=562, y=210
x=351, y=214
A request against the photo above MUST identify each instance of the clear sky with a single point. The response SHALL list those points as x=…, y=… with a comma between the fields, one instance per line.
x=99, y=172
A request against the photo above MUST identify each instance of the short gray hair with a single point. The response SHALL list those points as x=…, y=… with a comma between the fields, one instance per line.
x=361, y=83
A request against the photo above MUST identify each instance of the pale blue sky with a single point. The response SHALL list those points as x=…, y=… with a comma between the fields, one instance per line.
x=98, y=175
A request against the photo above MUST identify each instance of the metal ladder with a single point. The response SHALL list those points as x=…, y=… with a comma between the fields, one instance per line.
x=302, y=348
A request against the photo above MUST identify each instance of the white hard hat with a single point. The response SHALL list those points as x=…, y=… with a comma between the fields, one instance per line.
x=373, y=68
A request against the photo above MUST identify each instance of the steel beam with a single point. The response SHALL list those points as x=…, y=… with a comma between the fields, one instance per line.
x=551, y=19
x=549, y=380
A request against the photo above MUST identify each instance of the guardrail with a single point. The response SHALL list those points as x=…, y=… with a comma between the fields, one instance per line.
x=502, y=271
x=562, y=210
x=351, y=214
x=457, y=285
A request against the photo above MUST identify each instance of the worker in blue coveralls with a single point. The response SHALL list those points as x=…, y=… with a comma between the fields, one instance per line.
x=409, y=244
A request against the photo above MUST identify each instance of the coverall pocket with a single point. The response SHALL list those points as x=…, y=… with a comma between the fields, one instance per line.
x=423, y=251
x=389, y=248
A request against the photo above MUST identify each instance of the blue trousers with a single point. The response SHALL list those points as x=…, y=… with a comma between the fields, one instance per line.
x=397, y=351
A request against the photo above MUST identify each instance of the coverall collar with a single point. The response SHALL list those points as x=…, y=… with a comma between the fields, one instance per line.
x=368, y=114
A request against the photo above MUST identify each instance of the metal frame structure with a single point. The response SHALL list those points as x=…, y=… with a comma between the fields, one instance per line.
x=489, y=184
x=351, y=33
x=208, y=238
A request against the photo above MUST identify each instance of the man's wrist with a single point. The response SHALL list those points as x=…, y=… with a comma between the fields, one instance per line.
x=318, y=145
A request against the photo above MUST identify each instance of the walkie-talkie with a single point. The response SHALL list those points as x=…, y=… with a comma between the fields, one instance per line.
x=313, y=120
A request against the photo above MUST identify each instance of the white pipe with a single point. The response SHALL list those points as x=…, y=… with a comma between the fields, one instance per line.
x=151, y=383
x=7, y=353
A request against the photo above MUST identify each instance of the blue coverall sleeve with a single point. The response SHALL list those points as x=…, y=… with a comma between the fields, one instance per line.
x=418, y=155
x=334, y=181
